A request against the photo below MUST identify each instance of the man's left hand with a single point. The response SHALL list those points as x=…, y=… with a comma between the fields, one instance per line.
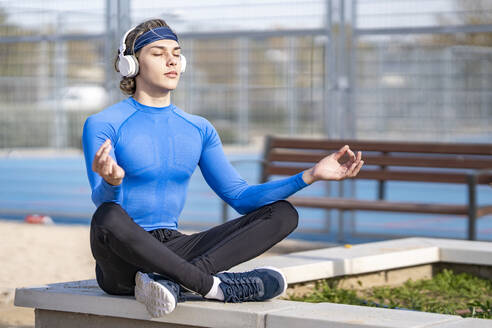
x=329, y=168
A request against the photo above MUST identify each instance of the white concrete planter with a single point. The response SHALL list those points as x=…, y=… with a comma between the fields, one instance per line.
x=83, y=304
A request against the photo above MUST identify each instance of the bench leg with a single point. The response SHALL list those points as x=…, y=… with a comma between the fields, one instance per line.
x=472, y=207
x=328, y=212
x=225, y=212
x=472, y=227
x=341, y=228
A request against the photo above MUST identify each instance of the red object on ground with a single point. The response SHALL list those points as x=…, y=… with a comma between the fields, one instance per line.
x=38, y=219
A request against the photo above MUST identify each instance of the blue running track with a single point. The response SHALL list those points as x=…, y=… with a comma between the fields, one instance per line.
x=58, y=187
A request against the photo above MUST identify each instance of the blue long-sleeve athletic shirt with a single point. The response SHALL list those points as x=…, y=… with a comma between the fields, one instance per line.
x=159, y=149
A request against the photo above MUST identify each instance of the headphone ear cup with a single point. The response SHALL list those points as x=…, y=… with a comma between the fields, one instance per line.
x=183, y=63
x=136, y=66
x=128, y=66
x=123, y=65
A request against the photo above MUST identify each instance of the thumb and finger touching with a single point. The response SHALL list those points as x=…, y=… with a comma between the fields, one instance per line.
x=339, y=154
x=104, y=164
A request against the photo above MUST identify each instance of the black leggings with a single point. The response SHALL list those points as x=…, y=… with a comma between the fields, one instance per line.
x=121, y=247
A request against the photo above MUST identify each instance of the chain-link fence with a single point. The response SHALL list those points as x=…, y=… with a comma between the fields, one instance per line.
x=423, y=71
x=376, y=69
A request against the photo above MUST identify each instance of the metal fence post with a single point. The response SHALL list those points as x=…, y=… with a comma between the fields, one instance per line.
x=189, y=76
x=60, y=133
x=243, y=99
x=110, y=46
x=291, y=86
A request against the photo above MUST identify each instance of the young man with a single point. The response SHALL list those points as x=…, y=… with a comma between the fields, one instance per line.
x=140, y=154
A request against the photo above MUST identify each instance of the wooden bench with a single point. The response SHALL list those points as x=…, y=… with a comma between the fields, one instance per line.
x=455, y=163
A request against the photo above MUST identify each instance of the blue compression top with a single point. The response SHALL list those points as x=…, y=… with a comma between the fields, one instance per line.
x=159, y=149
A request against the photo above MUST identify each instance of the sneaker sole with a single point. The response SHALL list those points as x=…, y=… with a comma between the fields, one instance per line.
x=157, y=299
x=283, y=277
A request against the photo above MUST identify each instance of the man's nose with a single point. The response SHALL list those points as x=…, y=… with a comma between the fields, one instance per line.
x=172, y=61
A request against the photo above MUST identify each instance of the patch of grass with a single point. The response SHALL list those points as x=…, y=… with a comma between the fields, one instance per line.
x=446, y=293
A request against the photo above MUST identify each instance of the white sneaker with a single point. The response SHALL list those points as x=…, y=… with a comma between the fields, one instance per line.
x=159, y=296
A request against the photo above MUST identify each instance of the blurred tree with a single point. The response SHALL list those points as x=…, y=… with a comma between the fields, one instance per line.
x=468, y=12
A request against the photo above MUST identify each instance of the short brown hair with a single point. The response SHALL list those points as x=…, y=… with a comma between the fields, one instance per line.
x=127, y=84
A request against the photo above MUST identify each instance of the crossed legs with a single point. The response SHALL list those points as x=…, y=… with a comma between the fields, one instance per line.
x=121, y=247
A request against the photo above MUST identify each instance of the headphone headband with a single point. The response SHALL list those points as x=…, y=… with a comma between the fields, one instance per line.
x=122, y=47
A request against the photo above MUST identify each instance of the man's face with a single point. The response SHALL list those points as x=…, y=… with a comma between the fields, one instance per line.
x=159, y=66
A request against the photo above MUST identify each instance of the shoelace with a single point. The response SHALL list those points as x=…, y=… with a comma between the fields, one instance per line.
x=240, y=287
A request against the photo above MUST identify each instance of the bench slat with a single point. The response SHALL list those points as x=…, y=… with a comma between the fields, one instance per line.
x=484, y=211
x=373, y=205
x=414, y=161
x=413, y=147
x=388, y=175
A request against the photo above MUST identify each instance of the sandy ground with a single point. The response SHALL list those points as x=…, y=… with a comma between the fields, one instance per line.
x=36, y=254
x=33, y=254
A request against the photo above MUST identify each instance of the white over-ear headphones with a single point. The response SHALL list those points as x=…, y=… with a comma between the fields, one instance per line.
x=128, y=64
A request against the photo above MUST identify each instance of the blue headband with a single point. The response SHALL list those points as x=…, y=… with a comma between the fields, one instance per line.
x=159, y=33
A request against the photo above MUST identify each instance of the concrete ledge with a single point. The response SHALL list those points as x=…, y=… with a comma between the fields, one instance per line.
x=57, y=319
x=65, y=302
x=371, y=257
x=342, y=316
x=84, y=297
x=467, y=323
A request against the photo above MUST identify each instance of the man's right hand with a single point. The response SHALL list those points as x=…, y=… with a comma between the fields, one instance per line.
x=106, y=166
